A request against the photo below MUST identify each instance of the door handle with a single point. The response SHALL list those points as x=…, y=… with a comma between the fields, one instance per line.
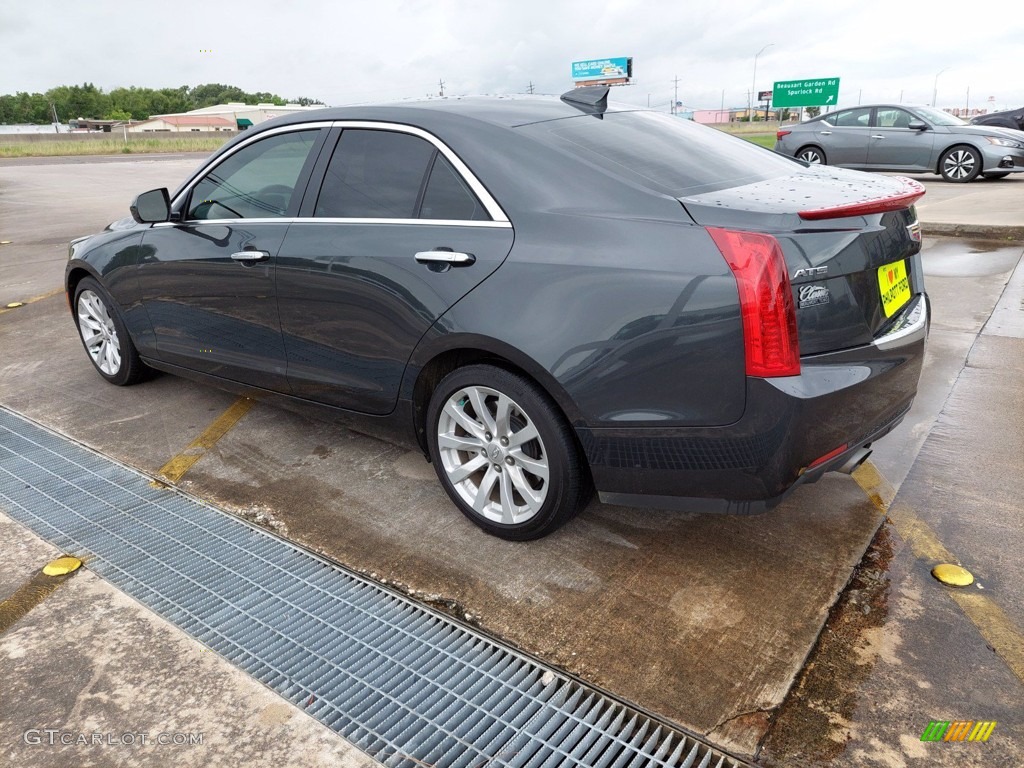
x=250, y=256
x=826, y=133
x=878, y=136
x=440, y=256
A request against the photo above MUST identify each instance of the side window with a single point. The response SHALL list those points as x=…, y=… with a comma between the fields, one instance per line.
x=375, y=175
x=448, y=197
x=256, y=182
x=892, y=117
x=853, y=118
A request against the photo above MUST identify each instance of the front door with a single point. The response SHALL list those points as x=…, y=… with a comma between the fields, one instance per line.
x=207, y=278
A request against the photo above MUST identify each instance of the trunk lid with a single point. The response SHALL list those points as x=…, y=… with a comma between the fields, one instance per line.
x=850, y=240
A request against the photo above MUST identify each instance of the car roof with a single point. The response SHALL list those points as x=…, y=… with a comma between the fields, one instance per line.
x=503, y=111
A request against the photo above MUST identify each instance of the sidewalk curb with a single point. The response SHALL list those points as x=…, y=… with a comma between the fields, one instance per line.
x=1000, y=232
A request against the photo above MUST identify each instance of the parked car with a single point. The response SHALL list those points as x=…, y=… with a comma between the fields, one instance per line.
x=889, y=137
x=1013, y=118
x=544, y=295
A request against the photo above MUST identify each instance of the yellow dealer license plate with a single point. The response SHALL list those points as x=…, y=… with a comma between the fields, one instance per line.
x=894, y=286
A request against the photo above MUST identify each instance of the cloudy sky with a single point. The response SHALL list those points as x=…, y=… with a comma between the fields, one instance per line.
x=349, y=52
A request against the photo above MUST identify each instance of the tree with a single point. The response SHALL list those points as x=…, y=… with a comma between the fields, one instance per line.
x=813, y=111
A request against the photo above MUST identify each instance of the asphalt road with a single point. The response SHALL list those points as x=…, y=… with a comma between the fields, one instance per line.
x=705, y=620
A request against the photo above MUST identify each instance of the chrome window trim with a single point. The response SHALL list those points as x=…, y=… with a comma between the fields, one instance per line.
x=308, y=220
x=498, y=216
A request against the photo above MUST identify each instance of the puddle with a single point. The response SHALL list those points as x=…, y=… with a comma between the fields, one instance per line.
x=969, y=258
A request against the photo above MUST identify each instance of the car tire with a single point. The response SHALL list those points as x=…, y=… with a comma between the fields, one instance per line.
x=104, y=335
x=812, y=155
x=992, y=175
x=504, y=453
x=960, y=164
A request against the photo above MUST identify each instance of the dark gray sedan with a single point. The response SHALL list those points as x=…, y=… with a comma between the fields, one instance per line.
x=545, y=295
x=888, y=137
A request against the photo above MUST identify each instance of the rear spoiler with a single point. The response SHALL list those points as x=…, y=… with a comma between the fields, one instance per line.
x=910, y=192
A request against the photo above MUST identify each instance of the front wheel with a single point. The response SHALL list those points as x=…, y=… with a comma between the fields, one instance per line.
x=960, y=164
x=504, y=453
x=104, y=335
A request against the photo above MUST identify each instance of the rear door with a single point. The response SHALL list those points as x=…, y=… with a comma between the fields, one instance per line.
x=846, y=142
x=394, y=230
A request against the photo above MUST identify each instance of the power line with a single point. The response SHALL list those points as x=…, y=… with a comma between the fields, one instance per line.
x=441, y=83
x=529, y=88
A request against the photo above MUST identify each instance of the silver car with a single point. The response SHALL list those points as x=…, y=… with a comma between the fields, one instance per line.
x=888, y=137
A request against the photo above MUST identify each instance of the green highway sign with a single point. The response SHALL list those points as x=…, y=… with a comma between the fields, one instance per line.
x=819, y=92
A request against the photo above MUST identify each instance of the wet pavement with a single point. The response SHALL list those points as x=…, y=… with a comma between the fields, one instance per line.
x=705, y=620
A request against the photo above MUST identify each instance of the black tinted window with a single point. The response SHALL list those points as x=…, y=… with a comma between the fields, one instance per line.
x=448, y=197
x=852, y=118
x=667, y=154
x=375, y=175
x=256, y=182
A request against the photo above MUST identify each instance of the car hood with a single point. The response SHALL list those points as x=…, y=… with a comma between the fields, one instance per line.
x=987, y=130
x=776, y=203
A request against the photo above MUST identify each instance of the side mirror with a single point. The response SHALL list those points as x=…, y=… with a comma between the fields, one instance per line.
x=917, y=125
x=152, y=207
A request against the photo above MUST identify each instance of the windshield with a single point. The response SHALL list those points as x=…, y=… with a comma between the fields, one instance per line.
x=938, y=117
x=667, y=154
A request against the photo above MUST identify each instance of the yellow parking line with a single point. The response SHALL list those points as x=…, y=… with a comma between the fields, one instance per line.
x=173, y=470
x=995, y=626
x=18, y=304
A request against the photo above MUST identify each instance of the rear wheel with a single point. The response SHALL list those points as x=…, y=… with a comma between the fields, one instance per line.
x=104, y=335
x=960, y=164
x=995, y=175
x=812, y=155
x=504, y=453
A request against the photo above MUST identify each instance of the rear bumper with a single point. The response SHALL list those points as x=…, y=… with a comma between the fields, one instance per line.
x=850, y=398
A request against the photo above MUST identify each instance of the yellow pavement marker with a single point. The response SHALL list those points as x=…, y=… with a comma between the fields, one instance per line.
x=173, y=470
x=35, y=590
x=995, y=626
x=16, y=304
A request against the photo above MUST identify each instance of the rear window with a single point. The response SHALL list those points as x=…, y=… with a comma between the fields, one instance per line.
x=662, y=153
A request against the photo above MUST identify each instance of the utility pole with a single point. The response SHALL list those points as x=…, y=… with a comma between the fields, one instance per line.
x=441, y=83
x=675, y=99
x=529, y=88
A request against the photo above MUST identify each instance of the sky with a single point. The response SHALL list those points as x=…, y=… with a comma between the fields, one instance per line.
x=345, y=52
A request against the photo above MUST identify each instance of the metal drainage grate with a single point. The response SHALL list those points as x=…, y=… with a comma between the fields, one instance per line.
x=404, y=684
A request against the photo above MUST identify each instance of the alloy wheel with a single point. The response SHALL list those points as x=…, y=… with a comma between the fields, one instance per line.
x=98, y=332
x=493, y=455
x=959, y=164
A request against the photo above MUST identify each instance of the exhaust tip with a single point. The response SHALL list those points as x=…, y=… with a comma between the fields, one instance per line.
x=858, y=458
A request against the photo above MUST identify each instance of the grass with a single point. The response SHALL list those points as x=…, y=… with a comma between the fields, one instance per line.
x=112, y=146
x=763, y=139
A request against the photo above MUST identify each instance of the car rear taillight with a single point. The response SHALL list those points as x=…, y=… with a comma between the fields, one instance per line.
x=780, y=133
x=766, y=301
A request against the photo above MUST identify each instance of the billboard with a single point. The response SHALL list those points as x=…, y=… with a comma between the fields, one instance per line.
x=594, y=71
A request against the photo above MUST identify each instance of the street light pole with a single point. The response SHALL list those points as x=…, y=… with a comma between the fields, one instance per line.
x=753, y=85
x=935, y=90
